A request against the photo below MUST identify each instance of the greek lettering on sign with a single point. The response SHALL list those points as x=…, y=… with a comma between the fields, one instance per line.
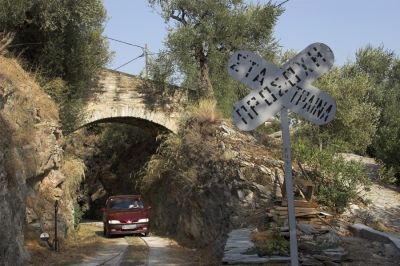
x=288, y=86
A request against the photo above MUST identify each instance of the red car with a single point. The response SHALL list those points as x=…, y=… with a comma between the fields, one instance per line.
x=125, y=214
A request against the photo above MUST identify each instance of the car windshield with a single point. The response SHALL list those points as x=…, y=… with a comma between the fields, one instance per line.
x=125, y=204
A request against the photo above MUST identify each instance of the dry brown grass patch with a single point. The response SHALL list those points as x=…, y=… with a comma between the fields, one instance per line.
x=74, y=171
x=205, y=112
x=30, y=94
x=85, y=241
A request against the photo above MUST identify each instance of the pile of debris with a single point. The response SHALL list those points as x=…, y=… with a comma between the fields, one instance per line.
x=306, y=209
x=320, y=246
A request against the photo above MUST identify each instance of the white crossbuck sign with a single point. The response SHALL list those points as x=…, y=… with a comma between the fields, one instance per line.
x=288, y=86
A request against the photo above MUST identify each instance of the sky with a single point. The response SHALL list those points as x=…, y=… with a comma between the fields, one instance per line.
x=344, y=25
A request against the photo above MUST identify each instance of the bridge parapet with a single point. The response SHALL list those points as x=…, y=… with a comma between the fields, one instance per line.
x=120, y=95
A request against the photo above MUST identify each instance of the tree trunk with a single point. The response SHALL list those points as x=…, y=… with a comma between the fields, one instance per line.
x=206, y=89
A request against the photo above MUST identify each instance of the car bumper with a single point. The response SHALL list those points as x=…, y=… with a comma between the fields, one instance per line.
x=120, y=229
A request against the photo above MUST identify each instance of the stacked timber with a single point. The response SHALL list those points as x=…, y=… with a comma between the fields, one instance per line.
x=305, y=211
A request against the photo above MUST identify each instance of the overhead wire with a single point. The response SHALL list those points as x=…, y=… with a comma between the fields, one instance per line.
x=130, y=61
x=127, y=43
x=134, y=45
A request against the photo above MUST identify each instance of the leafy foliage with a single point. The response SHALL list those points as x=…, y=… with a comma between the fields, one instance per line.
x=186, y=158
x=270, y=242
x=202, y=35
x=387, y=175
x=338, y=181
x=74, y=171
x=356, y=119
x=117, y=136
x=59, y=39
x=383, y=67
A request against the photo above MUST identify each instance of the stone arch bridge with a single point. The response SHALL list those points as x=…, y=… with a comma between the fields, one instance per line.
x=124, y=98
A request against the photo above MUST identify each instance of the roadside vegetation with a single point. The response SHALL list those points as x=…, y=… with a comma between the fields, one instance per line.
x=183, y=157
x=62, y=42
x=71, y=252
x=366, y=91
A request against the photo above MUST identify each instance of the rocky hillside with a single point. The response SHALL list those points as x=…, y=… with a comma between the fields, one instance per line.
x=209, y=179
x=31, y=159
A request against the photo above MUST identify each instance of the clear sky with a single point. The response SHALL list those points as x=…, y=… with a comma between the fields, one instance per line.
x=344, y=25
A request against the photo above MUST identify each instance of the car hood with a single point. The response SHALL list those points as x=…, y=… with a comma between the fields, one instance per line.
x=127, y=216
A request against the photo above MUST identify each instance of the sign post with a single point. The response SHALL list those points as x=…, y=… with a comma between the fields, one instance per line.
x=287, y=156
x=279, y=89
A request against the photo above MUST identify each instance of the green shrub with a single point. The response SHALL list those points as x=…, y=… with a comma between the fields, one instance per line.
x=78, y=214
x=61, y=41
x=337, y=181
x=270, y=242
x=387, y=175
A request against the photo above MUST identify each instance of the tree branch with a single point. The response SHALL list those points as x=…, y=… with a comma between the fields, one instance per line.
x=180, y=17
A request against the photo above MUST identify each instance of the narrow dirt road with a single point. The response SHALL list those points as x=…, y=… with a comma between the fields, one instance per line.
x=136, y=250
x=163, y=251
x=111, y=254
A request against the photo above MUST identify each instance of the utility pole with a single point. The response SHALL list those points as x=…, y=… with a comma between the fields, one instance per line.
x=146, y=62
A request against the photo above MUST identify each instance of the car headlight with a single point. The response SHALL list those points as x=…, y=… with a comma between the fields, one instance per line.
x=114, y=222
x=144, y=220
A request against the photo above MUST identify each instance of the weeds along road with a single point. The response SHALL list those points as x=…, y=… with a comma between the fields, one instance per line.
x=135, y=250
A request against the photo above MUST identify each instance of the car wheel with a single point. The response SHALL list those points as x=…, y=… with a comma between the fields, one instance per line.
x=146, y=234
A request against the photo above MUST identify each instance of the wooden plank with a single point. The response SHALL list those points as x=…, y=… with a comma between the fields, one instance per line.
x=278, y=208
x=301, y=203
x=299, y=213
x=310, y=215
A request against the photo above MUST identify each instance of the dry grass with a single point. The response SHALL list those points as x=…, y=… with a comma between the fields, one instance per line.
x=30, y=95
x=270, y=242
x=74, y=171
x=261, y=236
x=85, y=241
x=5, y=40
x=205, y=112
x=380, y=227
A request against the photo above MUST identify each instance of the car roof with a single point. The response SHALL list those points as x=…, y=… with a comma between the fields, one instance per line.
x=125, y=196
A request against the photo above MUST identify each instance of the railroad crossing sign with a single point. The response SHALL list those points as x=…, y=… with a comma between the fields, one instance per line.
x=279, y=89
x=288, y=86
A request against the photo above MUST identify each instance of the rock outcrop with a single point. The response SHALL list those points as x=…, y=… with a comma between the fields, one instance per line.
x=30, y=161
x=207, y=180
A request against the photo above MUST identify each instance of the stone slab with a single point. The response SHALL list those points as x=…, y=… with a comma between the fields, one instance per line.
x=238, y=243
x=367, y=232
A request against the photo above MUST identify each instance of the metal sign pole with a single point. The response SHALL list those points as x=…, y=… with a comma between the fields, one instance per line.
x=277, y=89
x=289, y=187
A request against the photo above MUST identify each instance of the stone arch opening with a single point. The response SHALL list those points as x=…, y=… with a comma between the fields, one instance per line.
x=144, y=124
x=114, y=151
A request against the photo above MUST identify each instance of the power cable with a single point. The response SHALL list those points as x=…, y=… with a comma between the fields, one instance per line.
x=281, y=4
x=130, y=61
x=145, y=52
x=131, y=44
x=127, y=43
